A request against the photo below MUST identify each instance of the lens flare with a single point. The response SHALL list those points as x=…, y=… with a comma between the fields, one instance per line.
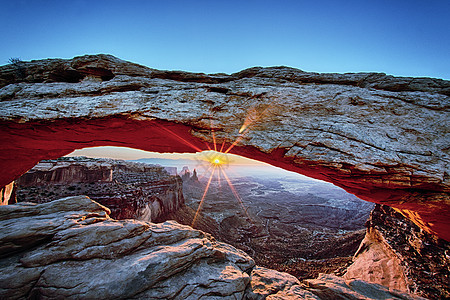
x=215, y=161
x=255, y=114
x=214, y=158
x=179, y=138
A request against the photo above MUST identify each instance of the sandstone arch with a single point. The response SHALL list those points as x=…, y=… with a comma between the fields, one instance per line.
x=382, y=138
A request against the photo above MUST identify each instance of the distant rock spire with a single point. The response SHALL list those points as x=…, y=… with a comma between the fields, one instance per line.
x=185, y=170
x=185, y=173
x=194, y=176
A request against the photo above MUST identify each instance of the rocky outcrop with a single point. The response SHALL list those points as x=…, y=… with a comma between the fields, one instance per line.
x=8, y=194
x=382, y=138
x=375, y=261
x=272, y=285
x=70, y=248
x=67, y=171
x=331, y=287
x=398, y=254
x=130, y=190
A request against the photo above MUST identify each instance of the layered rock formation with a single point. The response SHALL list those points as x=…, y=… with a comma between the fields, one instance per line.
x=70, y=248
x=66, y=171
x=131, y=190
x=380, y=137
x=398, y=254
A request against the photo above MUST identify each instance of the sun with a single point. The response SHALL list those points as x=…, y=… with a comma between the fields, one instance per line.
x=216, y=164
x=214, y=159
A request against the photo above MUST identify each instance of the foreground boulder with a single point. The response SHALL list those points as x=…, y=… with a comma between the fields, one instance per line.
x=70, y=248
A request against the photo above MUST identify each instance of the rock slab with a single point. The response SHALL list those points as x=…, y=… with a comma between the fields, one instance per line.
x=70, y=248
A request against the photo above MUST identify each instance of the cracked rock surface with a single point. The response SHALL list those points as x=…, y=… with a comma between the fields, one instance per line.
x=382, y=138
x=398, y=254
x=70, y=248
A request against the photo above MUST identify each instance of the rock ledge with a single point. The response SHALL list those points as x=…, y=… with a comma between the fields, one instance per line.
x=70, y=248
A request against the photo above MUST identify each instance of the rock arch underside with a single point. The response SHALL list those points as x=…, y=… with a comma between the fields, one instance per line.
x=383, y=138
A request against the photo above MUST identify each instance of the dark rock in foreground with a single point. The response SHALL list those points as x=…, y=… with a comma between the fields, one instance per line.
x=70, y=248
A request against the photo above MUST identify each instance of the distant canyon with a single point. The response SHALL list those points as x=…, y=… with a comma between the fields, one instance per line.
x=292, y=224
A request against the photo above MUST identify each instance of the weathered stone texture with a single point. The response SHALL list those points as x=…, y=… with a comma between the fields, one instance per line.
x=398, y=254
x=77, y=251
x=130, y=190
x=383, y=138
x=70, y=248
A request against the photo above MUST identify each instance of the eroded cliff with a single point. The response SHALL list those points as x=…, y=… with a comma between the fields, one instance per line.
x=398, y=254
x=130, y=190
x=383, y=138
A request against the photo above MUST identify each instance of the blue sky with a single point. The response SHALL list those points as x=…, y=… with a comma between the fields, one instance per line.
x=406, y=38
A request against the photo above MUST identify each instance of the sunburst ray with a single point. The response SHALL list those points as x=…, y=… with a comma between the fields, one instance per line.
x=179, y=138
x=203, y=199
x=235, y=193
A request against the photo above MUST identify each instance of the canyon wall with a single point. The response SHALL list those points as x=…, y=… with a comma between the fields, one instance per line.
x=130, y=190
x=382, y=138
x=398, y=254
x=67, y=172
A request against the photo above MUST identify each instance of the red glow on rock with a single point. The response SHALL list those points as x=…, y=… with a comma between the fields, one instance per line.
x=25, y=144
